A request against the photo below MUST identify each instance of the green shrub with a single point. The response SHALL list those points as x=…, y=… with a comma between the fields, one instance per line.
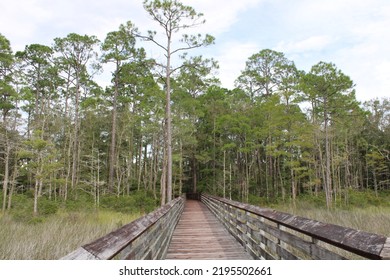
x=366, y=198
x=259, y=201
x=34, y=220
x=47, y=206
x=137, y=202
x=83, y=202
x=23, y=205
x=144, y=202
x=318, y=201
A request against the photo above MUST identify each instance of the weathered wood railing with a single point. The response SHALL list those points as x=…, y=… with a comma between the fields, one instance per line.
x=145, y=238
x=269, y=234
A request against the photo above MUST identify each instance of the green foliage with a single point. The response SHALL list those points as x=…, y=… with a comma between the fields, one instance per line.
x=119, y=45
x=173, y=11
x=138, y=202
x=266, y=73
x=368, y=198
x=316, y=201
x=260, y=201
x=48, y=207
x=22, y=206
x=6, y=57
x=83, y=202
x=354, y=199
x=281, y=135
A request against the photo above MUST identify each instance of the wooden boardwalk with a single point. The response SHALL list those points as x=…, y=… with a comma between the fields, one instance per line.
x=186, y=229
x=199, y=235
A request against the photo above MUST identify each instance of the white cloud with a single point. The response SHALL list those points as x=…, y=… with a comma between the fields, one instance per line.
x=19, y=20
x=367, y=60
x=40, y=21
x=313, y=43
x=351, y=33
x=232, y=60
x=368, y=64
x=221, y=14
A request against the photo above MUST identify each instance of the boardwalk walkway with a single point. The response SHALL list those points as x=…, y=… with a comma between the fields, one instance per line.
x=199, y=235
x=186, y=229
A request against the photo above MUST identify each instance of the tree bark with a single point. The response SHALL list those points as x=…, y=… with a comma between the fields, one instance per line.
x=6, y=175
x=13, y=183
x=328, y=176
x=168, y=142
x=111, y=170
x=76, y=140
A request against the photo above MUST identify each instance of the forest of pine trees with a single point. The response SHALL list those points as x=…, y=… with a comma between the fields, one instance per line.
x=280, y=134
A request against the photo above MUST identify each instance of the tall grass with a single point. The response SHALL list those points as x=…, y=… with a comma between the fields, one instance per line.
x=57, y=235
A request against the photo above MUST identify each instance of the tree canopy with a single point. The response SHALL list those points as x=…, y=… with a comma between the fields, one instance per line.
x=167, y=127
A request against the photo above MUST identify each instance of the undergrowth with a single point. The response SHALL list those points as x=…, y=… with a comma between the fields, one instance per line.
x=63, y=226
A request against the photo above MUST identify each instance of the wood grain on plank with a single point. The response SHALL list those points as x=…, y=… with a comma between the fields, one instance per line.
x=199, y=235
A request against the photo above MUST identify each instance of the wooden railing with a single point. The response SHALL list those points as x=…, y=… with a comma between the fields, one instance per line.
x=269, y=234
x=265, y=234
x=146, y=238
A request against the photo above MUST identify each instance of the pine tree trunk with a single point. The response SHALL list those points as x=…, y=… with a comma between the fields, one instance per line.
x=13, y=183
x=140, y=164
x=328, y=176
x=6, y=175
x=75, y=148
x=163, y=181
x=168, y=126
x=111, y=164
x=194, y=174
x=224, y=174
x=35, y=211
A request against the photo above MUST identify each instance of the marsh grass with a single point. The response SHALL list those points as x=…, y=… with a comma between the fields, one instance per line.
x=55, y=236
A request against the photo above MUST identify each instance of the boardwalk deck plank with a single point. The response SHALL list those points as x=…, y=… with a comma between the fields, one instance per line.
x=199, y=235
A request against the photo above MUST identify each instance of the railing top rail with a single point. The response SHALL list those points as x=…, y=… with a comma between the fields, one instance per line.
x=111, y=244
x=368, y=245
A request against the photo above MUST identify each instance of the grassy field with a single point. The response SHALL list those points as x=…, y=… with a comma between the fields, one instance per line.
x=57, y=235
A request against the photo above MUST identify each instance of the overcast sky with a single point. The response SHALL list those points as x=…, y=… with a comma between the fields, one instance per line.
x=353, y=34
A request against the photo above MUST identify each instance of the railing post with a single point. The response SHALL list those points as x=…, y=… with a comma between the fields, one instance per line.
x=385, y=253
x=279, y=242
